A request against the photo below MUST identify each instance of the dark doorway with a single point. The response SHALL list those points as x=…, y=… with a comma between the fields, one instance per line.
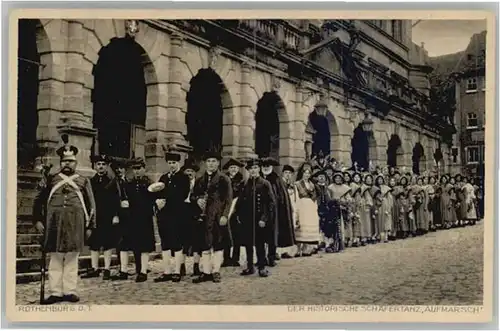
x=267, y=125
x=119, y=97
x=418, y=153
x=321, y=137
x=360, y=148
x=393, y=150
x=205, y=113
x=28, y=63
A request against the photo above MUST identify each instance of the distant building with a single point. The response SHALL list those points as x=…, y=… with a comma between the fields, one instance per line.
x=465, y=73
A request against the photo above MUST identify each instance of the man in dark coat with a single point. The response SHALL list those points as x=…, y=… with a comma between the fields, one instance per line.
x=194, y=233
x=232, y=236
x=287, y=173
x=64, y=210
x=212, y=193
x=104, y=236
x=141, y=208
x=284, y=230
x=255, y=210
x=172, y=217
x=125, y=236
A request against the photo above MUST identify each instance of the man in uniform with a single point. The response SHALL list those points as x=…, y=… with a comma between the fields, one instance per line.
x=64, y=210
x=172, y=218
x=141, y=204
x=233, y=168
x=284, y=228
x=194, y=233
x=256, y=210
x=212, y=193
x=105, y=195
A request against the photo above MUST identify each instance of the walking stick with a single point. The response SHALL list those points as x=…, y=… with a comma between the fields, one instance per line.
x=43, y=263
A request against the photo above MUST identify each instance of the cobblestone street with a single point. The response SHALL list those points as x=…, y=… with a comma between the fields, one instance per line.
x=444, y=267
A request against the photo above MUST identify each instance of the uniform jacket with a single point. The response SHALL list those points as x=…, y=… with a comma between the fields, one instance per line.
x=176, y=190
x=64, y=217
x=256, y=203
x=218, y=191
x=105, y=195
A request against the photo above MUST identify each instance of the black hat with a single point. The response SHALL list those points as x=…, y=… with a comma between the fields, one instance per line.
x=117, y=162
x=288, y=167
x=100, y=158
x=253, y=162
x=232, y=162
x=212, y=155
x=169, y=156
x=189, y=164
x=458, y=177
x=138, y=162
x=318, y=172
x=269, y=161
x=67, y=152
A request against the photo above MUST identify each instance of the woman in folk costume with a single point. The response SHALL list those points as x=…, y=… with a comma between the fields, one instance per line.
x=347, y=212
x=376, y=212
x=448, y=202
x=287, y=173
x=378, y=224
x=399, y=211
x=411, y=196
x=461, y=200
x=430, y=190
x=435, y=207
x=385, y=226
x=470, y=202
x=419, y=207
x=356, y=206
x=341, y=210
x=307, y=234
x=392, y=183
x=326, y=217
x=368, y=222
x=404, y=222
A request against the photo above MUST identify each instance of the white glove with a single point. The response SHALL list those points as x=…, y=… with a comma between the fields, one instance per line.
x=116, y=220
x=161, y=203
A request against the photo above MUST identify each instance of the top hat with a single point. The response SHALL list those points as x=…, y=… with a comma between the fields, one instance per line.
x=212, y=155
x=189, y=164
x=117, y=163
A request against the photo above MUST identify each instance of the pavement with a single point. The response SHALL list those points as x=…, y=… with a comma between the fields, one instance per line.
x=440, y=268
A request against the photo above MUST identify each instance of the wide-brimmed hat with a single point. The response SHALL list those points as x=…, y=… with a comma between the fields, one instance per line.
x=232, y=162
x=169, y=156
x=269, y=161
x=190, y=164
x=138, y=162
x=253, y=162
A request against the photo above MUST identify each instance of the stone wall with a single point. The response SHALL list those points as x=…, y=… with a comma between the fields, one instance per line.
x=70, y=49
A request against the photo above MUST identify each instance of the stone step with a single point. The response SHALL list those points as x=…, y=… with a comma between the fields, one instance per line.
x=28, y=238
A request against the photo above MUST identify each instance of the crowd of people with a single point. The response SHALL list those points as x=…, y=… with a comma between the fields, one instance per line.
x=277, y=212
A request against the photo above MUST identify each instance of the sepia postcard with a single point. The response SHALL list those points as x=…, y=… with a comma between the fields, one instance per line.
x=250, y=166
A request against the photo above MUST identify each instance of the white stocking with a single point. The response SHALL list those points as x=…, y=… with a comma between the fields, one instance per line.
x=166, y=256
x=94, y=259
x=144, y=263
x=107, y=259
x=124, y=261
x=217, y=258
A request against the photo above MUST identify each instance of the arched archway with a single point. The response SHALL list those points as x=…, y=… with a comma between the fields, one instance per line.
x=119, y=99
x=206, y=100
x=28, y=65
x=395, y=151
x=418, y=158
x=321, y=136
x=360, y=148
x=267, y=125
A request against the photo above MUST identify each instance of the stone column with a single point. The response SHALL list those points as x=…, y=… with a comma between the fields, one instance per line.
x=246, y=141
x=299, y=124
x=74, y=121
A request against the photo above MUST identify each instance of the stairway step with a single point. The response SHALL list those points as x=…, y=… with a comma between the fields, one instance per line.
x=28, y=238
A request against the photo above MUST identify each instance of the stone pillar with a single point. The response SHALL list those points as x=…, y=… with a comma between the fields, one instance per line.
x=246, y=141
x=300, y=118
x=74, y=121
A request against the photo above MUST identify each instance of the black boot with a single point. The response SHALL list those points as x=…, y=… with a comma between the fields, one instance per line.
x=203, y=278
x=196, y=269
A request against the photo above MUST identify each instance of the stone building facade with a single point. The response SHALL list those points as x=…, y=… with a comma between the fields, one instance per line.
x=228, y=84
x=465, y=75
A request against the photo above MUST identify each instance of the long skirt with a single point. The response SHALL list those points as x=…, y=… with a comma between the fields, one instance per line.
x=308, y=232
x=366, y=223
x=471, y=212
x=348, y=228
